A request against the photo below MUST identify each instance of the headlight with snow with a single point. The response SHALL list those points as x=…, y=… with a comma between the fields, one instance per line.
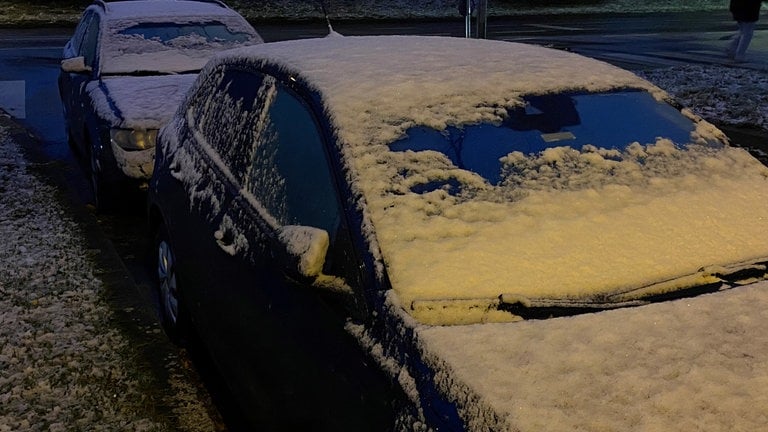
x=134, y=139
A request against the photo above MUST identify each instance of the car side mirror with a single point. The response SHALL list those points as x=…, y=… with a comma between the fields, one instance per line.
x=75, y=65
x=307, y=247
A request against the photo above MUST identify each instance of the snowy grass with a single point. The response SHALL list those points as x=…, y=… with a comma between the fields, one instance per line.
x=17, y=12
x=64, y=363
x=720, y=94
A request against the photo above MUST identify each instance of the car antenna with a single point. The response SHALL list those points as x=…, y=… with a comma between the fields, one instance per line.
x=331, y=31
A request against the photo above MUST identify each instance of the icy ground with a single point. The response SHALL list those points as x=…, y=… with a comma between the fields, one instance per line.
x=63, y=363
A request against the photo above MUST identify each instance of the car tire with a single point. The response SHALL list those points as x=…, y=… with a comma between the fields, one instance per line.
x=102, y=197
x=172, y=313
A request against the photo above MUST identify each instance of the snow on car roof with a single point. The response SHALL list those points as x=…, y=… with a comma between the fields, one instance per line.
x=164, y=8
x=552, y=244
x=430, y=80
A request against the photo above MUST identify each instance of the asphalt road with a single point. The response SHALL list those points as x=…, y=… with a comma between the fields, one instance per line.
x=29, y=64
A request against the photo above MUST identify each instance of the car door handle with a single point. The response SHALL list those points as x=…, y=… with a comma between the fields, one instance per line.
x=175, y=170
x=225, y=240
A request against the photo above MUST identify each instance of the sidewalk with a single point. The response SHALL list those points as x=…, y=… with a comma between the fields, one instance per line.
x=69, y=358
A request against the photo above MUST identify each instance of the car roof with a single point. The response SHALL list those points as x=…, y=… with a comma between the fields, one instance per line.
x=450, y=77
x=163, y=8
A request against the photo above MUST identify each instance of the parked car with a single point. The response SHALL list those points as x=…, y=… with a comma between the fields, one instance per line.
x=412, y=233
x=124, y=72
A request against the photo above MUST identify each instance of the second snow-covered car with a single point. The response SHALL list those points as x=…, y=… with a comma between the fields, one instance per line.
x=415, y=233
x=124, y=72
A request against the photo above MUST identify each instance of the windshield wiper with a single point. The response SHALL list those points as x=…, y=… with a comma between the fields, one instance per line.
x=150, y=73
x=707, y=280
x=545, y=309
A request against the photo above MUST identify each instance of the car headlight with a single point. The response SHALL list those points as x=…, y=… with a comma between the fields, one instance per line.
x=134, y=139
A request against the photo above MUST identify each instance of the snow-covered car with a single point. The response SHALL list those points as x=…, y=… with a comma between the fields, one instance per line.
x=124, y=72
x=412, y=233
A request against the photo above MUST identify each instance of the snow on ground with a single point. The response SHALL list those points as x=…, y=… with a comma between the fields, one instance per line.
x=63, y=363
x=720, y=94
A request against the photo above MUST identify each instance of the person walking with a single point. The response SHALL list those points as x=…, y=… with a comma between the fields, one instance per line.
x=746, y=13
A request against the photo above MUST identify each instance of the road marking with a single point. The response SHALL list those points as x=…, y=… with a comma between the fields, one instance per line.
x=554, y=27
x=13, y=98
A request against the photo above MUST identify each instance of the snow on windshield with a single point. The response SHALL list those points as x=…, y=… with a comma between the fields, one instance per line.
x=180, y=45
x=576, y=224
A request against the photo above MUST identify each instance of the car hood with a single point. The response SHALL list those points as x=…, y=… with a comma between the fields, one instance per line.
x=139, y=102
x=700, y=214
x=690, y=364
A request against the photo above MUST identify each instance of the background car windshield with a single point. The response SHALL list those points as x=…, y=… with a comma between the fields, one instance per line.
x=165, y=32
x=167, y=47
x=605, y=120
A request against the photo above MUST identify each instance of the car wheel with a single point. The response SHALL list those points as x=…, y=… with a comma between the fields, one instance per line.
x=102, y=199
x=172, y=315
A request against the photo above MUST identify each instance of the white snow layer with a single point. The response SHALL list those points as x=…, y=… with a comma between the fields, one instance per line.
x=698, y=364
x=63, y=364
x=146, y=102
x=126, y=53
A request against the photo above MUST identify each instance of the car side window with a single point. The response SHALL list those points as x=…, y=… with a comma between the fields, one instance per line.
x=290, y=174
x=228, y=115
x=77, y=36
x=90, y=44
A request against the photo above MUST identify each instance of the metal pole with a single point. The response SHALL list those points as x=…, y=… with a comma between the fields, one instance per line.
x=468, y=20
x=482, y=19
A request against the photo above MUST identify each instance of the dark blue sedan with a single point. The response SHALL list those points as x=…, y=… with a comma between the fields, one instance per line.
x=424, y=233
x=124, y=72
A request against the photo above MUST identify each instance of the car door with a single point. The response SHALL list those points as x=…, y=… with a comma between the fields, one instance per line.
x=72, y=85
x=279, y=337
x=200, y=163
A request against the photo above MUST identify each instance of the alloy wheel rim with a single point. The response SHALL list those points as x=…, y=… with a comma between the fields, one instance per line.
x=167, y=276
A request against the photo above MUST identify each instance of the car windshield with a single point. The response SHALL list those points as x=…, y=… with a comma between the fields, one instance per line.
x=204, y=32
x=602, y=120
x=567, y=202
x=177, y=46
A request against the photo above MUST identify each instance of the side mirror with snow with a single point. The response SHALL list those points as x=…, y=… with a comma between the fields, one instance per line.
x=306, y=247
x=75, y=65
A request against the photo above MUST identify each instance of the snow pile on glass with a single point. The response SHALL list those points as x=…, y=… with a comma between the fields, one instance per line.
x=157, y=37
